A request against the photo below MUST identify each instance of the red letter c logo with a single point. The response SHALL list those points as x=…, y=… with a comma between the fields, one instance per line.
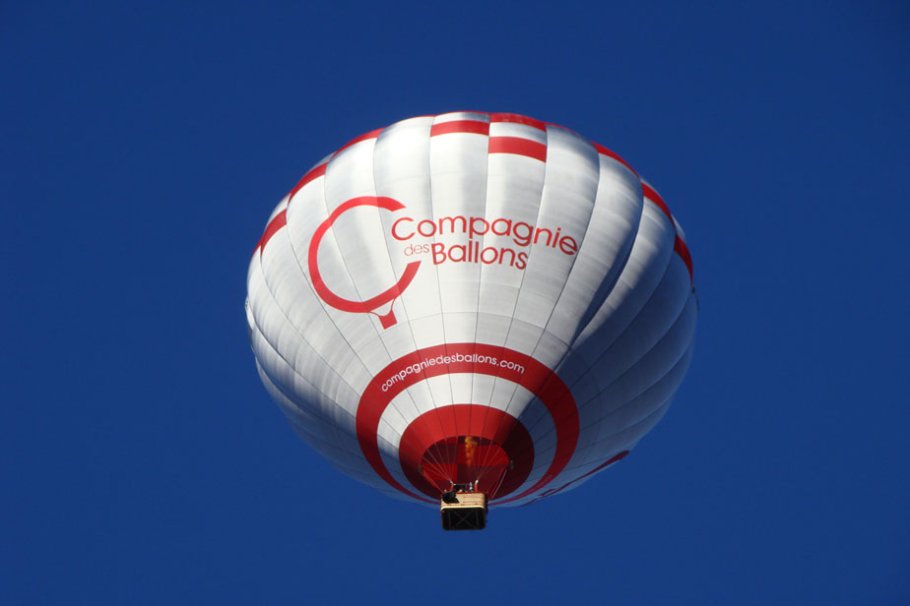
x=387, y=296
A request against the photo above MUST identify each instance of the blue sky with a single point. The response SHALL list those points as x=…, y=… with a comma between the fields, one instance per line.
x=143, y=147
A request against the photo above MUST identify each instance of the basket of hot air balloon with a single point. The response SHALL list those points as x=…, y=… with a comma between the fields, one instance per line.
x=463, y=509
x=472, y=299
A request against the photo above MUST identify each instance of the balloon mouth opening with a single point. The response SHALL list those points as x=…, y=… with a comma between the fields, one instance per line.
x=464, y=460
x=463, y=444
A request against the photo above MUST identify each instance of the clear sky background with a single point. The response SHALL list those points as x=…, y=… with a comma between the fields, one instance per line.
x=143, y=147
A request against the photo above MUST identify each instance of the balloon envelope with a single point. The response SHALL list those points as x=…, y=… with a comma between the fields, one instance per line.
x=472, y=298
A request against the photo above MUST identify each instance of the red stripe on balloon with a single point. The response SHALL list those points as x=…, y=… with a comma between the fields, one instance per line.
x=314, y=173
x=516, y=145
x=518, y=119
x=683, y=251
x=460, y=126
x=364, y=137
x=655, y=197
x=679, y=245
x=461, y=358
x=319, y=171
x=277, y=222
x=612, y=154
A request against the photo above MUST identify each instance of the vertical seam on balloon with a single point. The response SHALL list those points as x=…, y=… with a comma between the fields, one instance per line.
x=627, y=254
x=668, y=253
x=401, y=299
x=429, y=166
x=659, y=412
x=591, y=366
x=442, y=315
x=442, y=129
x=344, y=262
x=634, y=323
x=277, y=305
x=338, y=433
x=571, y=482
x=645, y=302
x=570, y=478
x=572, y=267
x=257, y=333
x=435, y=455
x=312, y=174
x=532, y=479
x=568, y=276
x=624, y=260
x=677, y=360
x=486, y=198
x=283, y=390
x=521, y=284
x=277, y=351
x=599, y=394
x=274, y=298
x=370, y=135
x=374, y=135
x=682, y=323
x=543, y=329
x=480, y=282
x=679, y=245
x=555, y=421
x=592, y=448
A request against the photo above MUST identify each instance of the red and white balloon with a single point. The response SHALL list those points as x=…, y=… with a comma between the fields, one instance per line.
x=472, y=297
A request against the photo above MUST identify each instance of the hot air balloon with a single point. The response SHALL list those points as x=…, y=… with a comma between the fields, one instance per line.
x=472, y=310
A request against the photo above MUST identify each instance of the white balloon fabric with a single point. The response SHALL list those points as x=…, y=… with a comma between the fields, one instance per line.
x=472, y=297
